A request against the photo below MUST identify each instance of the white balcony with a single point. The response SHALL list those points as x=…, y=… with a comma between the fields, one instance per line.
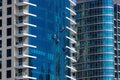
x=72, y=40
x=25, y=56
x=24, y=3
x=72, y=12
x=71, y=77
x=72, y=30
x=72, y=21
x=22, y=34
x=72, y=3
x=71, y=58
x=71, y=49
x=25, y=66
x=24, y=23
x=18, y=45
x=22, y=76
x=72, y=68
x=24, y=13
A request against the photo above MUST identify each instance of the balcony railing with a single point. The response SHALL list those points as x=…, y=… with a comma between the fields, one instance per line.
x=20, y=23
x=21, y=12
x=73, y=30
x=73, y=59
x=24, y=2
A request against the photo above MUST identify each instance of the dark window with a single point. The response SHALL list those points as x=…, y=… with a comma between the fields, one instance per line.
x=20, y=19
x=9, y=74
x=9, y=11
x=8, y=63
x=20, y=62
x=8, y=42
x=9, y=1
x=0, y=33
x=8, y=52
x=20, y=71
x=0, y=75
x=20, y=30
x=20, y=50
x=0, y=43
x=9, y=21
x=8, y=31
x=0, y=12
x=0, y=54
x=0, y=2
x=0, y=23
x=0, y=64
x=20, y=39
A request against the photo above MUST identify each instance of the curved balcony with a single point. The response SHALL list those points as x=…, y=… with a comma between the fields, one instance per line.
x=72, y=12
x=72, y=40
x=25, y=56
x=71, y=49
x=71, y=29
x=20, y=23
x=71, y=77
x=22, y=34
x=72, y=3
x=72, y=21
x=72, y=68
x=25, y=66
x=73, y=59
x=24, y=13
x=24, y=3
x=20, y=44
x=24, y=76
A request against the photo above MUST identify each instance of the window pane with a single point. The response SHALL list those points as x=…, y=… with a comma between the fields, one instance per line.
x=0, y=43
x=9, y=11
x=0, y=2
x=0, y=54
x=8, y=31
x=9, y=1
x=8, y=42
x=0, y=33
x=0, y=12
x=9, y=74
x=0, y=64
x=9, y=21
x=8, y=52
x=0, y=75
x=0, y=23
x=8, y=63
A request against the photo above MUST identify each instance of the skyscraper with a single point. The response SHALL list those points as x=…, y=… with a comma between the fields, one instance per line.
x=95, y=28
x=117, y=38
x=35, y=40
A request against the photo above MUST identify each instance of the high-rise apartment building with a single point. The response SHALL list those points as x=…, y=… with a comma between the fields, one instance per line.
x=98, y=57
x=37, y=40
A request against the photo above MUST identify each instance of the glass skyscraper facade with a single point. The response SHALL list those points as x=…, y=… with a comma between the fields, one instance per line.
x=37, y=40
x=50, y=41
x=95, y=28
x=117, y=38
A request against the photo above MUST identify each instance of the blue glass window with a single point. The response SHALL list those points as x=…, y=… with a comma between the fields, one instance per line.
x=8, y=73
x=0, y=2
x=9, y=21
x=8, y=63
x=9, y=11
x=9, y=2
x=8, y=53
